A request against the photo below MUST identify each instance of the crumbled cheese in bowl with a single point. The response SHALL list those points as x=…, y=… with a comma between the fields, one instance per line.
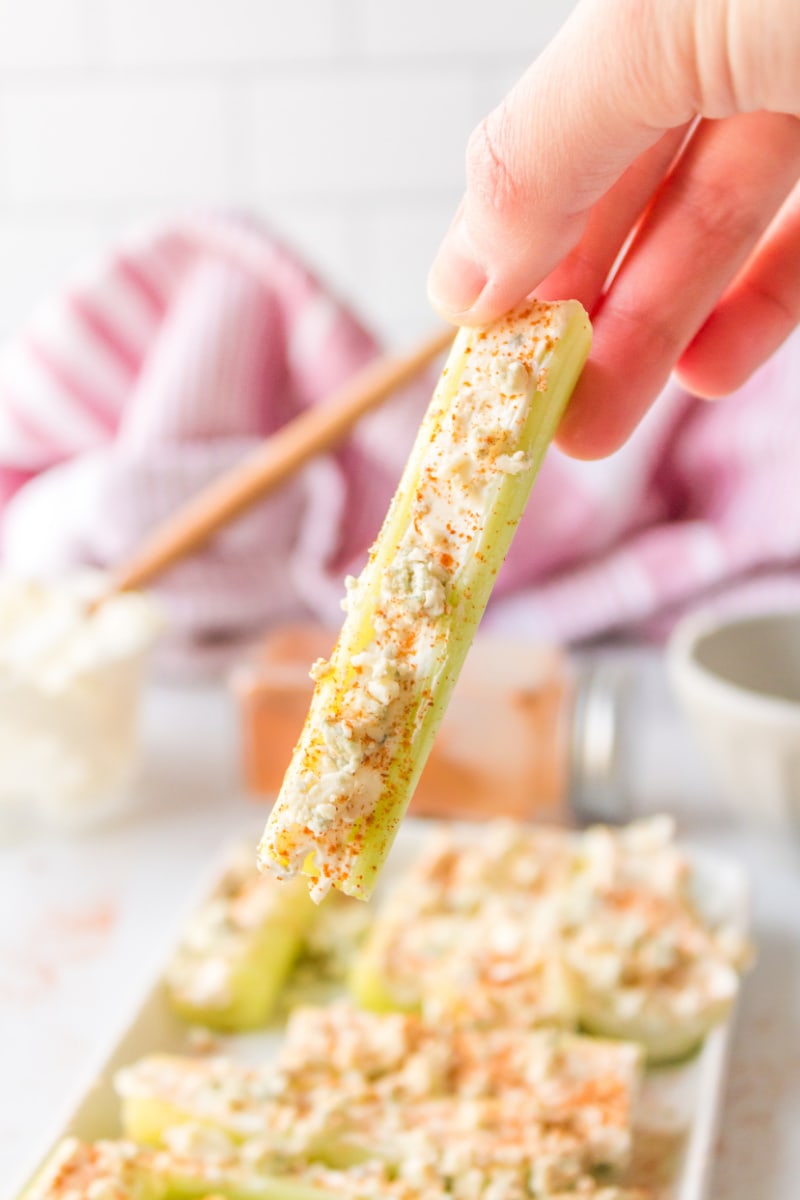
x=70, y=681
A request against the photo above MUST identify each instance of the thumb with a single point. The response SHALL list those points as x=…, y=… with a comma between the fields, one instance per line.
x=616, y=77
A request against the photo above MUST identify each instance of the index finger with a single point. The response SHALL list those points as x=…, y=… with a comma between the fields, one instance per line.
x=604, y=91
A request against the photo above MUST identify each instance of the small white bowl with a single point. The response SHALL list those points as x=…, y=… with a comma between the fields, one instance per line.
x=70, y=686
x=739, y=682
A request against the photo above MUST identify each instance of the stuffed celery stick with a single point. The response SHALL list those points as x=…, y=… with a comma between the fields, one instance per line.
x=115, y=1170
x=525, y=927
x=239, y=948
x=412, y=614
x=343, y=1091
x=470, y=934
x=221, y=1097
x=123, y=1171
x=162, y=1092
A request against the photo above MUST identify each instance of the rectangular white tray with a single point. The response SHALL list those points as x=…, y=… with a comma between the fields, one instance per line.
x=680, y=1105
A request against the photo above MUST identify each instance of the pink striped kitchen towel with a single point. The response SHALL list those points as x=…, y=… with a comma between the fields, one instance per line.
x=188, y=343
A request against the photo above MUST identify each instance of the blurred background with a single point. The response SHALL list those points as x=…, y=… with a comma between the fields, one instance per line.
x=343, y=122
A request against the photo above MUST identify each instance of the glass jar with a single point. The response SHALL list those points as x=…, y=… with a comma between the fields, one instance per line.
x=503, y=748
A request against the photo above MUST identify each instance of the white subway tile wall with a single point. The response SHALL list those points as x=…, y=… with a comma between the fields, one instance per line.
x=341, y=122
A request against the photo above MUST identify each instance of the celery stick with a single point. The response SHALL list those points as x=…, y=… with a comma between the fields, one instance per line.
x=342, y=1092
x=161, y=1092
x=441, y=942
x=238, y=950
x=218, y=1095
x=123, y=1171
x=413, y=613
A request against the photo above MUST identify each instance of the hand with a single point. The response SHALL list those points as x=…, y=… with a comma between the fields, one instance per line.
x=668, y=122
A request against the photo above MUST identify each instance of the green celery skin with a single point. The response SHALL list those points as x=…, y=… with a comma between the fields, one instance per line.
x=468, y=592
x=471, y=588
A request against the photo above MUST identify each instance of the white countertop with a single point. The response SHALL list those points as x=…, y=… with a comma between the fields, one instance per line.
x=84, y=920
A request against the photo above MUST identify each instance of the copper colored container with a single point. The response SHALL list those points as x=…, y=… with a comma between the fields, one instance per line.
x=503, y=747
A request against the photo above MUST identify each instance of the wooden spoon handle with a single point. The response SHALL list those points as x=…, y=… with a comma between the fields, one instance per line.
x=301, y=439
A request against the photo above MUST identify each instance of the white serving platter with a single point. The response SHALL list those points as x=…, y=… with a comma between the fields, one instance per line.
x=680, y=1107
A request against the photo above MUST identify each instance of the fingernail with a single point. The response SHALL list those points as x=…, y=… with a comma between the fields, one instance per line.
x=456, y=280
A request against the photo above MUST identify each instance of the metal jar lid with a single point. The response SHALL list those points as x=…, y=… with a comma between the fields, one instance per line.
x=598, y=787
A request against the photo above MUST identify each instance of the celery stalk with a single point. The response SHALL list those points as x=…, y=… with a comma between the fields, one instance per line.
x=121, y=1171
x=341, y=1094
x=222, y=1096
x=238, y=950
x=126, y=1172
x=161, y=1092
x=415, y=609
